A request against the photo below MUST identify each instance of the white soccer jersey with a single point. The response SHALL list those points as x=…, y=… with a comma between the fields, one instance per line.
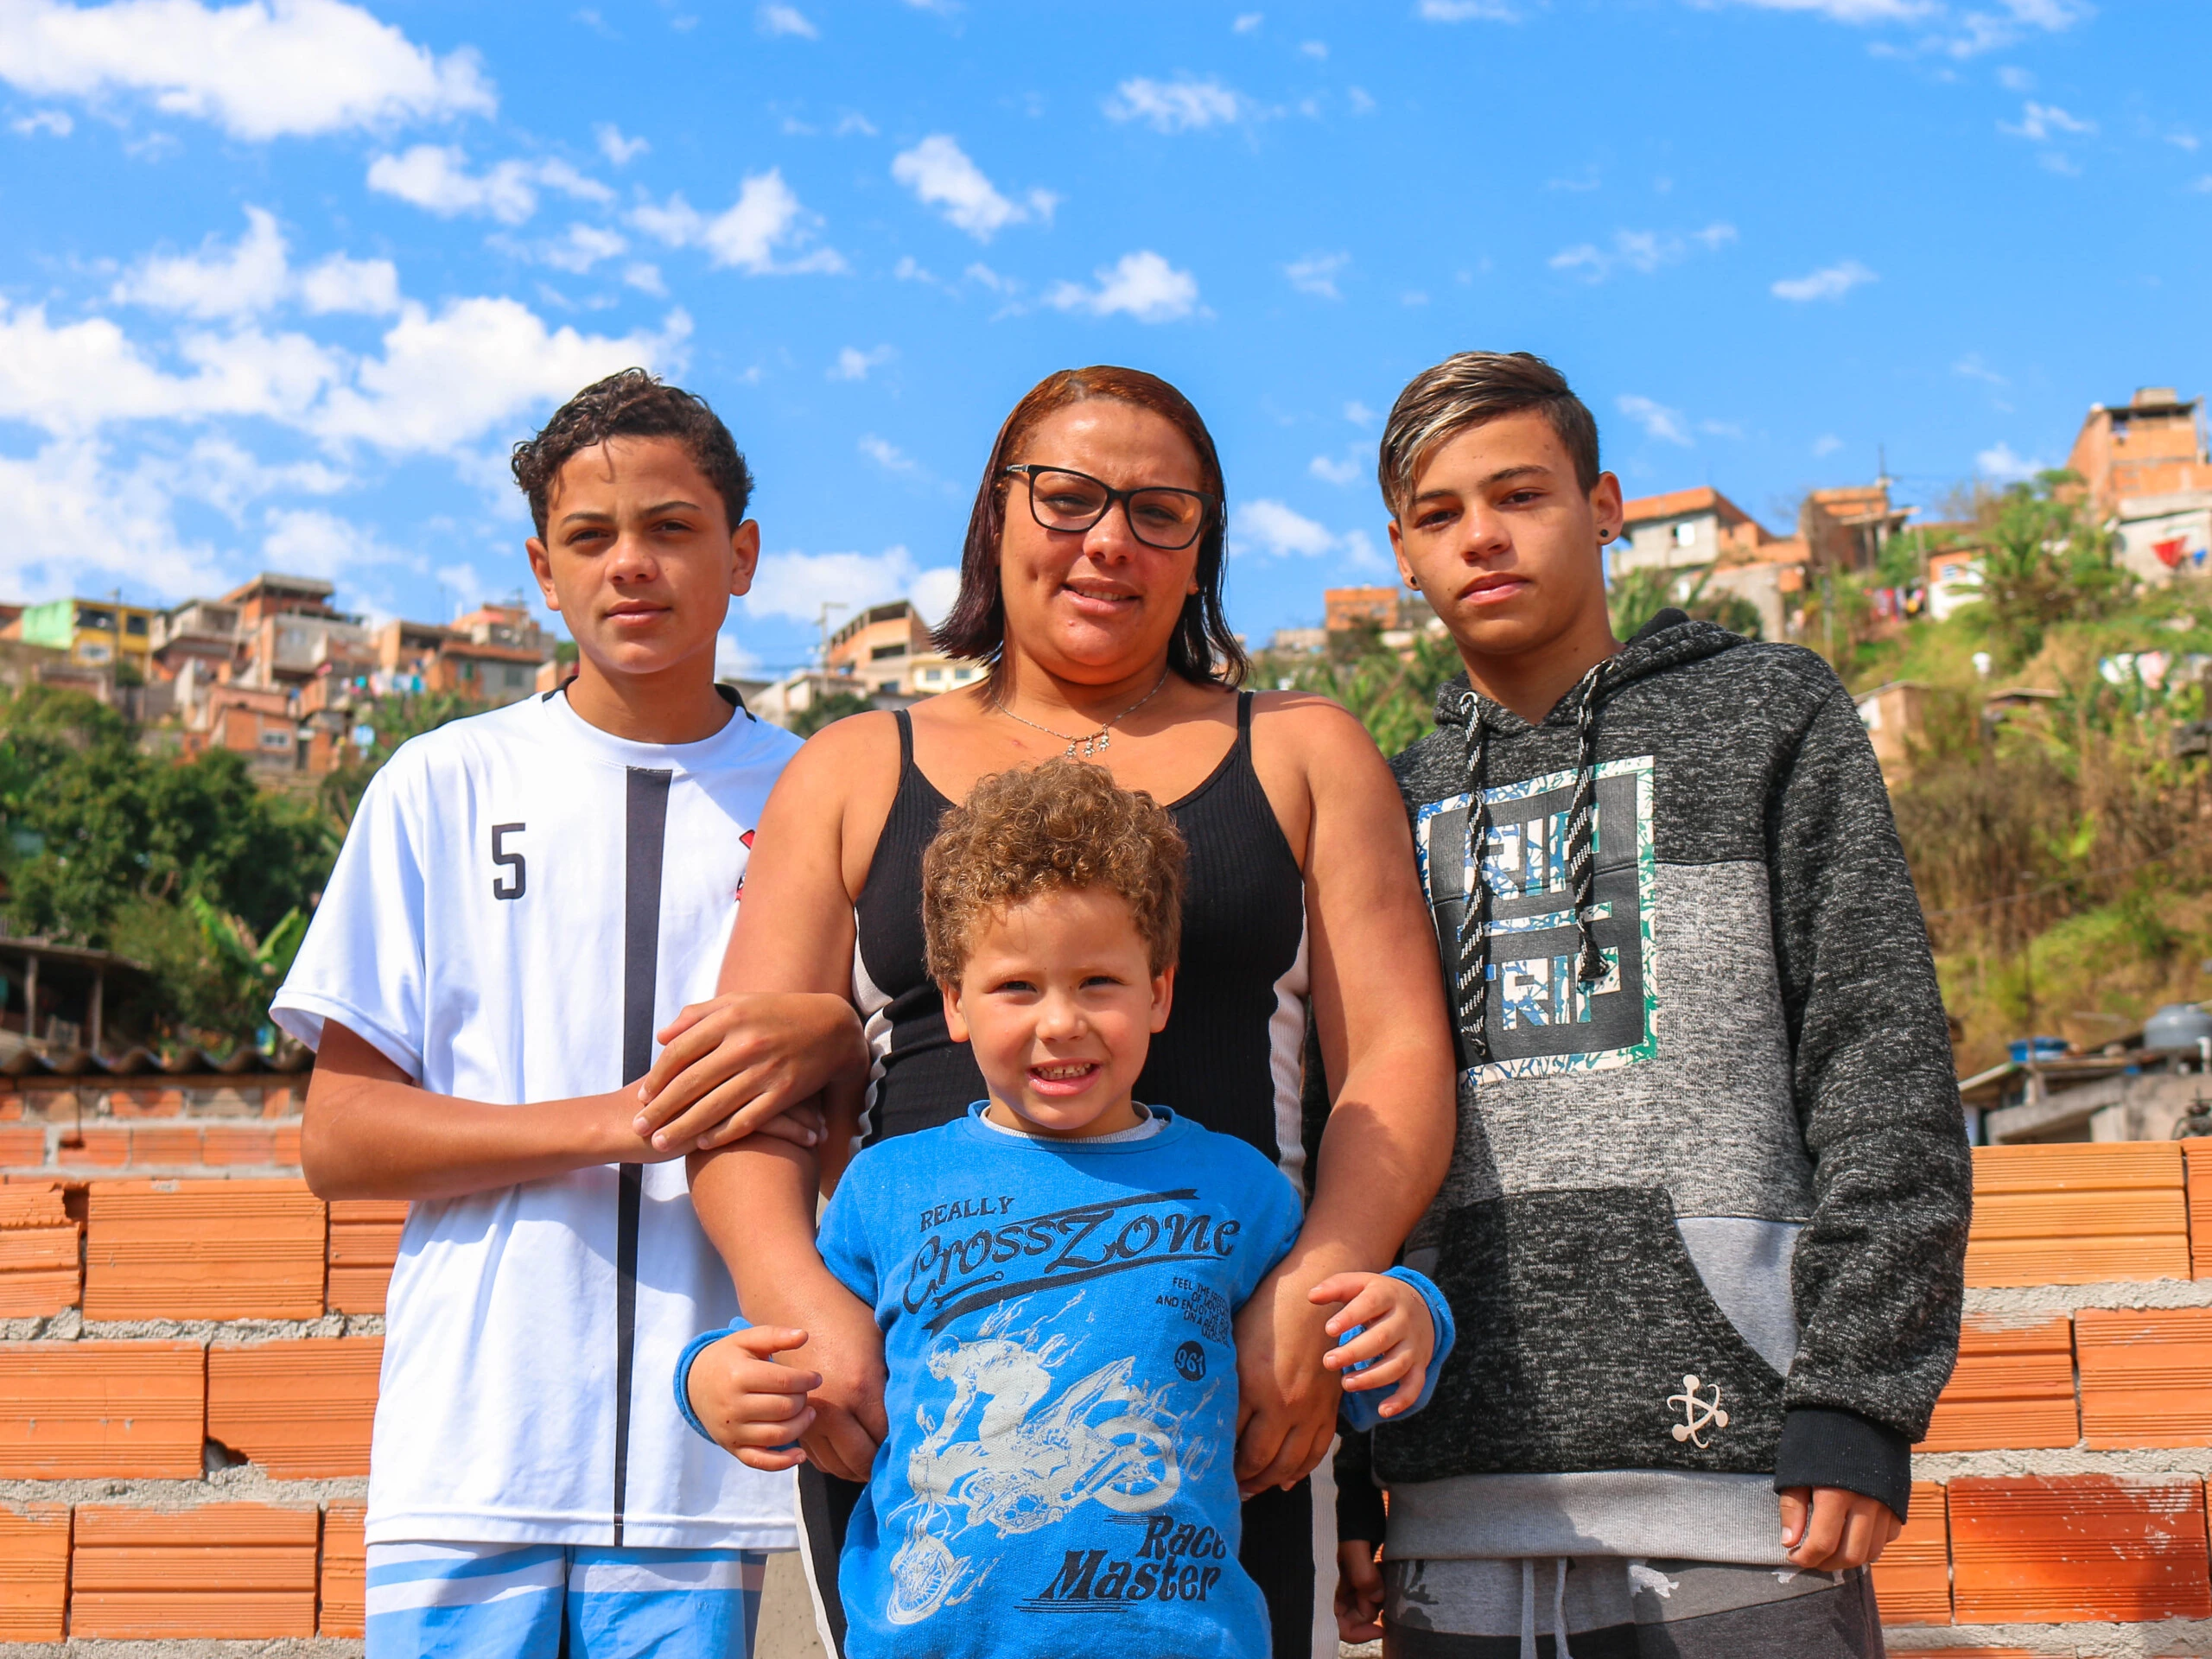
x=521, y=901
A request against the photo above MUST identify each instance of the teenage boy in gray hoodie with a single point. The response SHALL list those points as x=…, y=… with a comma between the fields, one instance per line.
x=1705, y=1226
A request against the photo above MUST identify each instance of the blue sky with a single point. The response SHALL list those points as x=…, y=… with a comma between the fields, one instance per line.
x=281, y=281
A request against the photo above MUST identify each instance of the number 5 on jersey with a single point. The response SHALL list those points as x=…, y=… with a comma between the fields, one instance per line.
x=511, y=884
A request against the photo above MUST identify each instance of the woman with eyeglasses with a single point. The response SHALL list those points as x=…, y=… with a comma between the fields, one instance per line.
x=1091, y=583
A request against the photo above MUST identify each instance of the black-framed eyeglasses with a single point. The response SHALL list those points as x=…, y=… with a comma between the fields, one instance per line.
x=1168, y=519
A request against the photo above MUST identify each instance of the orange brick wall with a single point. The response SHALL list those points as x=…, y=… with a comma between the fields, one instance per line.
x=2040, y=1507
x=191, y=1334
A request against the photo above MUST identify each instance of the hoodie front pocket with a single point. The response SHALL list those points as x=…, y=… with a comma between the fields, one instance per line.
x=1588, y=1340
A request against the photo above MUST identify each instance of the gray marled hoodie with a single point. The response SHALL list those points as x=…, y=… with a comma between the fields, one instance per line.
x=1704, y=1227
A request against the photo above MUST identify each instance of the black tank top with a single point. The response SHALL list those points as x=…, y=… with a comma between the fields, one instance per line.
x=1229, y=1057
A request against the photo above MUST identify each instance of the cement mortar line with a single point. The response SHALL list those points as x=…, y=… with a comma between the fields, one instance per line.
x=2024, y=1301
x=237, y=1482
x=2165, y=1639
x=289, y=1647
x=2176, y=1462
x=82, y=1175
x=71, y=1326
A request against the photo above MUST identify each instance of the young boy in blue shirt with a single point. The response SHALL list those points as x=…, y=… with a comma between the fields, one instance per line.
x=1056, y=1277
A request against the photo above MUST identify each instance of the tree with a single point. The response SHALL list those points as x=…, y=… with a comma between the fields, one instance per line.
x=2044, y=561
x=824, y=709
x=1392, y=694
x=1639, y=596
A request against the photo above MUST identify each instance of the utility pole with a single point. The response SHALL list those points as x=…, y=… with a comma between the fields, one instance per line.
x=822, y=621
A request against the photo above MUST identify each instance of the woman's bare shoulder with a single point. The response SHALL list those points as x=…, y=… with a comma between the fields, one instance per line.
x=845, y=753
x=1316, y=723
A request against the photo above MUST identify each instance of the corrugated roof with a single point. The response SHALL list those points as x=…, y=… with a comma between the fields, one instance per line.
x=144, y=1063
x=1680, y=504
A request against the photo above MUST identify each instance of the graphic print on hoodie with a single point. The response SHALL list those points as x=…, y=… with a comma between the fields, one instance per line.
x=1705, y=1222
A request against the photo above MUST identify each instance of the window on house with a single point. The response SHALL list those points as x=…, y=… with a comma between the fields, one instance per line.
x=882, y=652
x=135, y=625
x=1685, y=535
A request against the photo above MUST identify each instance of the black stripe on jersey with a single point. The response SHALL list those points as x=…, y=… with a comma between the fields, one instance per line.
x=644, y=842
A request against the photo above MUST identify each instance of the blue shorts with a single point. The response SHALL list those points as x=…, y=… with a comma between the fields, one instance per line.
x=544, y=1601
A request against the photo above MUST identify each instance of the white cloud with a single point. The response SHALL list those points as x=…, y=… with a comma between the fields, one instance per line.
x=1826, y=444
x=785, y=19
x=888, y=455
x=1829, y=282
x=1276, y=531
x=254, y=274
x=2014, y=78
x=2000, y=463
x=1247, y=22
x=260, y=70
x=933, y=591
x=1643, y=251
x=250, y=277
x=1317, y=274
x=1318, y=50
x=1359, y=413
x=1330, y=470
x=1178, y=106
x=765, y=217
x=1461, y=11
x=584, y=246
x=81, y=375
x=618, y=150
x=645, y=276
x=477, y=365
x=2039, y=122
x=940, y=175
x=1854, y=11
x=732, y=660
x=77, y=524
x=338, y=283
x=853, y=363
x=306, y=542
x=796, y=585
x=54, y=121
x=1142, y=285
x=436, y=177
x=218, y=471
x=1657, y=420
x=1972, y=367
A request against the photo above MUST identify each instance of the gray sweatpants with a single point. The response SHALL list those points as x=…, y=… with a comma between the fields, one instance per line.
x=1612, y=1608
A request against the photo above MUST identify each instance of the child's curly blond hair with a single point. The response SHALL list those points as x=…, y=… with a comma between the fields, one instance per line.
x=1059, y=827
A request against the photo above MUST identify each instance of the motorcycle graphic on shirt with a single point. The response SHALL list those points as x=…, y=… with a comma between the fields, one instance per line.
x=1006, y=1453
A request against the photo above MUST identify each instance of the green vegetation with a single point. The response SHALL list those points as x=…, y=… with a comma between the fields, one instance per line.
x=822, y=710
x=193, y=868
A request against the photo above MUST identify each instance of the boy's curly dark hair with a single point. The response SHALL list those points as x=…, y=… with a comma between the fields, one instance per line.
x=1061, y=826
x=633, y=405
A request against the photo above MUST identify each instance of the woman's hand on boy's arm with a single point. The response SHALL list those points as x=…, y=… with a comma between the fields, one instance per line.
x=745, y=1062
x=370, y=1132
x=1398, y=1335
x=1826, y=1529
x=755, y=1409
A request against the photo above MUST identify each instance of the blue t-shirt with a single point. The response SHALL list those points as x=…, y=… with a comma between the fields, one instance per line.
x=1056, y=1326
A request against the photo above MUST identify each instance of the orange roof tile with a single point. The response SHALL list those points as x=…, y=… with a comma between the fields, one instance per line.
x=1677, y=504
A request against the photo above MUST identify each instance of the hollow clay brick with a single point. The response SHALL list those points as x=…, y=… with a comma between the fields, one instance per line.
x=345, y=1571
x=2078, y=1214
x=364, y=1244
x=1912, y=1581
x=298, y=1409
x=253, y=1145
x=87, y=1409
x=2044, y=1550
x=145, y=1102
x=277, y=1102
x=2146, y=1376
x=98, y=1148
x=228, y=1570
x=203, y=1250
x=2196, y=1153
x=23, y=1145
x=33, y=1571
x=2014, y=1387
x=39, y=1272
x=166, y=1146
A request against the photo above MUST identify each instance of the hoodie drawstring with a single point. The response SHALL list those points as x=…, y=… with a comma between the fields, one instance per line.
x=1473, y=976
x=1581, y=824
x=1474, y=915
x=1528, y=1609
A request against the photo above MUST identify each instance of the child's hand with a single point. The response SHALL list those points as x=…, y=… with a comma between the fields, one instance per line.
x=755, y=1408
x=1399, y=1335
x=1828, y=1529
x=1359, y=1593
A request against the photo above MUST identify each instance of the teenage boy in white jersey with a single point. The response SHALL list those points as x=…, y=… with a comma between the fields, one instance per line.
x=524, y=898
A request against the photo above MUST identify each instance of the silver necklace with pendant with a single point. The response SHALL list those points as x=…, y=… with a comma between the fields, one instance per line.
x=1091, y=747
